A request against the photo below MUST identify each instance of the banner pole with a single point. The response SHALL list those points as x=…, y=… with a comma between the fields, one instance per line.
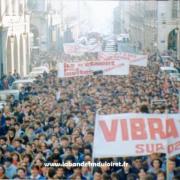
x=167, y=157
x=97, y=114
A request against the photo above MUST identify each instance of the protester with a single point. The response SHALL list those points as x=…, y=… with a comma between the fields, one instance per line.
x=54, y=123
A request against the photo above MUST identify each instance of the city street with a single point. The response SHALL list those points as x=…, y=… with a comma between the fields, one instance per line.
x=89, y=90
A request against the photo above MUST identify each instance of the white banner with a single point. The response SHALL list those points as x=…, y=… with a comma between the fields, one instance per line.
x=78, y=49
x=72, y=49
x=85, y=68
x=136, y=135
x=133, y=59
x=90, y=48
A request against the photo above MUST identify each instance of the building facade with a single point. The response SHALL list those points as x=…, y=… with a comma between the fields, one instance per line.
x=136, y=18
x=150, y=24
x=169, y=26
x=14, y=36
x=45, y=24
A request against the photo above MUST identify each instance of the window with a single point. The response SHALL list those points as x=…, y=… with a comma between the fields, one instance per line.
x=174, y=9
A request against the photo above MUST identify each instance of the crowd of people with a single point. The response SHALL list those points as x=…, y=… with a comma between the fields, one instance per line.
x=54, y=123
x=7, y=80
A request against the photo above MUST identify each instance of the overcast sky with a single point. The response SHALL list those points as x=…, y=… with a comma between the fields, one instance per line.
x=99, y=13
x=102, y=15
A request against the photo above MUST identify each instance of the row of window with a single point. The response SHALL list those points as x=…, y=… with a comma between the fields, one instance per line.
x=12, y=7
x=175, y=9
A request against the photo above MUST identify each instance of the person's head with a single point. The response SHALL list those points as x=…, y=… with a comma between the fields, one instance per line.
x=16, y=157
x=64, y=141
x=27, y=158
x=154, y=156
x=17, y=143
x=85, y=169
x=97, y=175
x=42, y=137
x=22, y=173
x=104, y=167
x=37, y=125
x=150, y=176
x=106, y=176
x=1, y=151
x=75, y=149
x=39, y=162
x=137, y=163
x=156, y=163
x=87, y=157
x=35, y=170
x=2, y=171
x=161, y=175
x=127, y=167
x=131, y=177
x=8, y=121
x=11, y=132
x=43, y=146
x=87, y=149
x=77, y=170
x=17, y=126
x=142, y=174
x=144, y=109
x=51, y=173
x=114, y=176
x=8, y=161
x=60, y=172
x=171, y=165
x=56, y=129
x=89, y=137
x=3, y=140
x=6, y=110
x=1, y=113
x=56, y=151
x=78, y=140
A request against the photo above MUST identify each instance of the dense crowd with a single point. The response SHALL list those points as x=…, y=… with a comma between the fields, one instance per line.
x=7, y=80
x=54, y=122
